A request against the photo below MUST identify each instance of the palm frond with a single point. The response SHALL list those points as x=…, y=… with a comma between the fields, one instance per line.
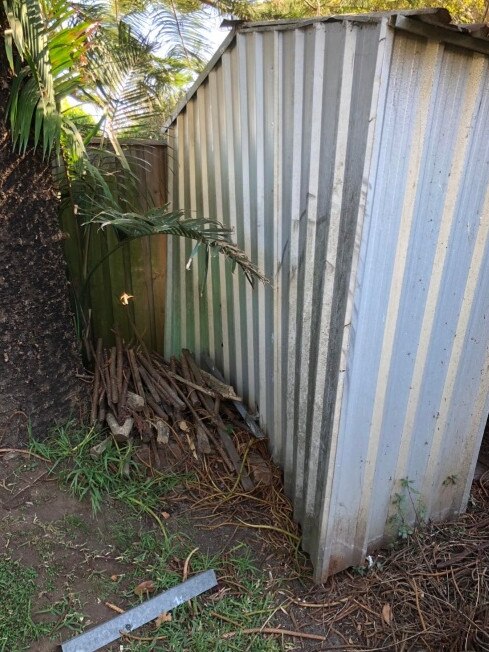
x=44, y=71
x=183, y=34
x=125, y=82
x=209, y=234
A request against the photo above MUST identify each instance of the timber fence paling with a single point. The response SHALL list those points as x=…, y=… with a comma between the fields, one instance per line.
x=137, y=269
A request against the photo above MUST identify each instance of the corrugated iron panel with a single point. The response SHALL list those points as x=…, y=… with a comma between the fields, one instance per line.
x=413, y=408
x=352, y=161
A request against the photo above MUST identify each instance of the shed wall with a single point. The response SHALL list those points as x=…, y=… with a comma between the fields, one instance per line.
x=415, y=398
x=352, y=161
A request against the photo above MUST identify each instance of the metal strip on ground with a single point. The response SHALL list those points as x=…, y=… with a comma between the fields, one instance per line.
x=110, y=631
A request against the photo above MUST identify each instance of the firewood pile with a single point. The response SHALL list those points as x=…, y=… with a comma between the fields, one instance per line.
x=138, y=395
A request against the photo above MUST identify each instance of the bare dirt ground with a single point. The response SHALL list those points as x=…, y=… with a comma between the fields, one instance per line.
x=431, y=593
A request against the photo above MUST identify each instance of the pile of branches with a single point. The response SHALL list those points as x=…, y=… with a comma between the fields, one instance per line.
x=139, y=395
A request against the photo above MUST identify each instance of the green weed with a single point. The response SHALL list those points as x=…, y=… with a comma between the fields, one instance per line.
x=66, y=613
x=17, y=588
x=202, y=624
x=68, y=449
x=407, y=502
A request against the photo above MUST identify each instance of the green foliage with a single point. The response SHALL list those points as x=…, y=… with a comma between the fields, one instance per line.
x=111, y=475
x=18, y=589
x=96, y=54
x=472, y=11
x=208, y=233
x=45, y=70
x=410, y=510
x=201, y=625
x=81, y=118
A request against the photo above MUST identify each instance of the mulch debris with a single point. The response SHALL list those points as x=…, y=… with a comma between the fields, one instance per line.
x=430, y=592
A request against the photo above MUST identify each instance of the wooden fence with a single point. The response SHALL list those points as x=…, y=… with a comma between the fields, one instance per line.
x=127, y=289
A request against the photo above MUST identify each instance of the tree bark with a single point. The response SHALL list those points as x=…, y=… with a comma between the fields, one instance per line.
x=39, y=354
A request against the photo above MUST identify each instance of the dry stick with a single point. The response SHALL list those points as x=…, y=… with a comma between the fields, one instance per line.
x=181, y=379
x=131, y=637
x=95, y=396
x=147, y=381
x=186, y=564
x=102, y=407
x=113, y=375
x=166, y=398
x=114, y=607
x=161, y=382
x=418, y=606
x=203, y=445
x=119, y=364
x=21, y=451
x=174, y=368
x=240, y=408
x=273, y=630
x=144, y=359
x=108, y=384
x=97, y=355
x=135, y=373
x=261, y=526
x=106, y=375
x=173, y=365
x=226, y=440
x=319, y=605
x=124, y=389
x=157, y=409
x=192, y=397
x=175, y=407
x=209, y=434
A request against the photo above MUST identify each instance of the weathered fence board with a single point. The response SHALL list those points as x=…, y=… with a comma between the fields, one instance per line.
x=137, y=269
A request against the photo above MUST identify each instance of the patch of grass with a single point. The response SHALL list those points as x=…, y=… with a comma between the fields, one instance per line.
x=103, y=586
x=75, y=524
x=244, y=599
x=113, y=473
x=202, y=624
x=123, y=533
x=65, y=613
x=17, y=590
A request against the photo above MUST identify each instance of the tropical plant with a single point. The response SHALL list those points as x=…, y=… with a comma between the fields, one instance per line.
x=62, y=53
x=462, y=11
x=71, y=73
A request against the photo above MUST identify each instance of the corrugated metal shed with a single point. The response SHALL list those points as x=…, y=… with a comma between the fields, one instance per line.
x=351, y=156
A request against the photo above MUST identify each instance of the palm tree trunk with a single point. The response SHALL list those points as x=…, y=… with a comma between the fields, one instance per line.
x=38, y=349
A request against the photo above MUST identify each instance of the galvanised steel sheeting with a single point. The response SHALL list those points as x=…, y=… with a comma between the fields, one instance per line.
x=351, y=157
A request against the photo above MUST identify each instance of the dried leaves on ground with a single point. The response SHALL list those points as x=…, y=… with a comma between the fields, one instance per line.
x=430, y=592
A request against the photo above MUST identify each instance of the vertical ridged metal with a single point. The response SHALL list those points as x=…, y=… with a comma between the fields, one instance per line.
x=351, y=158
